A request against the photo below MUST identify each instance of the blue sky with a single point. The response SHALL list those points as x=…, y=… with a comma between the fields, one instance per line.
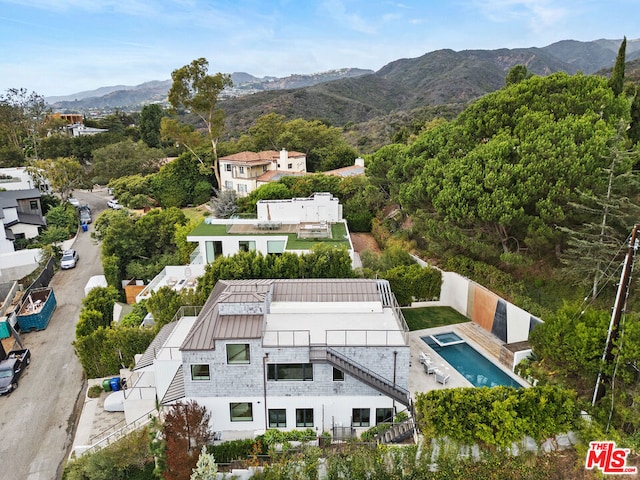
x=60, y=47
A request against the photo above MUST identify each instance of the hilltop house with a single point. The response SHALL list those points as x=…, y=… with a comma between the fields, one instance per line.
x=326, y=354
x=246, y=171
x=292, y=225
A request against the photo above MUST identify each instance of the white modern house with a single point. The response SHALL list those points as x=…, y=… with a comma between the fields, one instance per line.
x=18, y=178
x=246, y=171
x=292, y=225
x=324, y=354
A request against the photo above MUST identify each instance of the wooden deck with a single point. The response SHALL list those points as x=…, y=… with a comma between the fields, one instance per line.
x=479, y=335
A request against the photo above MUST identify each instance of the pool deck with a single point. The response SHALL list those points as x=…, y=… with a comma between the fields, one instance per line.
x=474, y=335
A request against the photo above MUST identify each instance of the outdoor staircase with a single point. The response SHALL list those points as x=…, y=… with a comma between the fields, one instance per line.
x=399, y=432
x=323, y=353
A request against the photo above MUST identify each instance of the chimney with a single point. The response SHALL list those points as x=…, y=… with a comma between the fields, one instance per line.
x=284, y=156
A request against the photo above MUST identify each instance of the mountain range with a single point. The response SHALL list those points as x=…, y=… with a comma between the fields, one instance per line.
x=437, y=81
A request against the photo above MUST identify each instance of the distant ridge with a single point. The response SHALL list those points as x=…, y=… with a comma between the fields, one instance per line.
x=123, y=96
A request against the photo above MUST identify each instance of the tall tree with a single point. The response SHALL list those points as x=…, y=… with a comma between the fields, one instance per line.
x=634, y=127
x=63, y=174
x=186, y=430
x=22, y=117
x=606, y=215
x=196, y=91
x=150, y=119
x=616, y=82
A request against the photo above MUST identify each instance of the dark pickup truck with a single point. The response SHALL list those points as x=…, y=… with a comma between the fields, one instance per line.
x=11, y=368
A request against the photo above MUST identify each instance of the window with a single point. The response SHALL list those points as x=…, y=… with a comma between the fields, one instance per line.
x=360, y=417
x=275, y=246
x=212, y=250
x=384, y=415
x=304, y=417
x=200, y=372
x=264, y=168
x=33, y=204
x=241, y=169
x=246, y=245
x=338, y=375
x=300, y=372
x=241, y=412
x=228, y=184
x=242, y=188
x=277, y=418
x=290, y=166
x=238, y=353
x=227, y=167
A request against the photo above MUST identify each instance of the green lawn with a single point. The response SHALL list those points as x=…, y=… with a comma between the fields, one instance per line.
x=427, y=317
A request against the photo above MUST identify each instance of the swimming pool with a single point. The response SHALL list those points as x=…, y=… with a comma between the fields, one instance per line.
x=469, y=362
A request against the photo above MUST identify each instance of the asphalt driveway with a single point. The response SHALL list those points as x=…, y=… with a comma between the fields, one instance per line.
x=37, y=421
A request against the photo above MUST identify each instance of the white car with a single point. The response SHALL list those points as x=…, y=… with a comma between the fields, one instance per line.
x=113, y=203
x=75, y=202
x=69, y=259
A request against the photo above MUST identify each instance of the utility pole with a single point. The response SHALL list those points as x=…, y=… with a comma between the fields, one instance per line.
x=616, y=315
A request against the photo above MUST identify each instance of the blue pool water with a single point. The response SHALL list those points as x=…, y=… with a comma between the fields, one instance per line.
x=471, y=364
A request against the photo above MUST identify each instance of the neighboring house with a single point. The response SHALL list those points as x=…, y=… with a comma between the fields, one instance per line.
x=292, y=225
x=326, y=354
x=18, y=178
x=354, y=170
x=22, y=213
x=80, y=130
x=246, y=171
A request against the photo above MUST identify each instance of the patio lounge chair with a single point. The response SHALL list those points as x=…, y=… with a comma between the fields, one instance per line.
x=424, y=358
x=429, y=367
x=441, y=377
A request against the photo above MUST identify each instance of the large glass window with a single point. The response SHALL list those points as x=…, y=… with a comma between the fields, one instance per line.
x=200, y=372
x=360, y=417
x=277, y=418
x=246, y=245
x=238, y=353
x=304, y=417
x=384, y=415
x=275, y=246
x=241, y=412
x=301, y=372
x=338, y=375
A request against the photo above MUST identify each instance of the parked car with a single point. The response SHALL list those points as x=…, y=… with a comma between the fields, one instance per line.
x=113, y=203
x=85, y=216
x=69, y=259
x=11, y=368
x=75, y=202
x=84, y=207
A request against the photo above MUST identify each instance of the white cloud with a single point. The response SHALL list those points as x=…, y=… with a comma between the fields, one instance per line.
x=538, y=14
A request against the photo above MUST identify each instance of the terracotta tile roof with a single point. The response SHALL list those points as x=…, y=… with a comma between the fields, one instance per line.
x=265, y=156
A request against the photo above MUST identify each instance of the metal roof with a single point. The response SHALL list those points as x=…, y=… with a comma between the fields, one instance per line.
x=325, y=290
x=211, y=325
x=176, y=388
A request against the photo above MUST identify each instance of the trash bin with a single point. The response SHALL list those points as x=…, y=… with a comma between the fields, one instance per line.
x=115, y=384
x=106, y=385
x=85, y=227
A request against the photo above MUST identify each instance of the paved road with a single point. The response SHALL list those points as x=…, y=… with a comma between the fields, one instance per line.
x=37, y=421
